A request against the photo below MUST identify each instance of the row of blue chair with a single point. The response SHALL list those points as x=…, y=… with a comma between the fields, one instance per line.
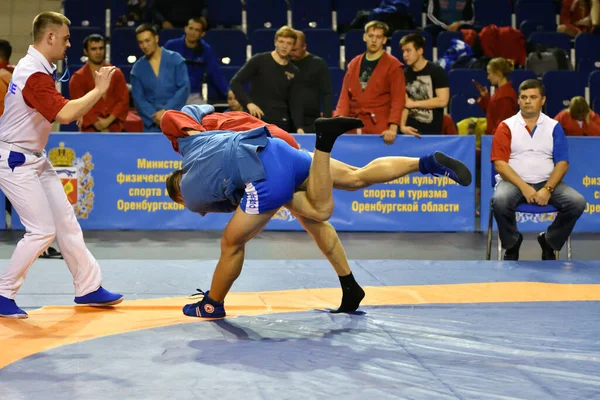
x=561, y=86
x=231, y=43
x=314, y=13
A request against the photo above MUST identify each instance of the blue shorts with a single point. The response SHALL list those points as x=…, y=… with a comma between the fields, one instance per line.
x=286, y=168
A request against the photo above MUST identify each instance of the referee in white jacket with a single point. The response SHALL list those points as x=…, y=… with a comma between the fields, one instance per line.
x=28, y=179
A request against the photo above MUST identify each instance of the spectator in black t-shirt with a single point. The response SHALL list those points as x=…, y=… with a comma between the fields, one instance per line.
x=427, y=90
x=315, y=80
x=274, y=95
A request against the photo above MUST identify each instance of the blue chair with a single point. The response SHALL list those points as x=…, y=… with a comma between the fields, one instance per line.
x=311, y=14
x=167, y=34
x=354, y=44
x=78, y=34
x=552, y=39
x=84, y=13
x=228, y=73
x=337, y=80
x=325, y=43
x=444, y=41
x=126, y=69
x=538, y=10
x=587, y=45
x=229, y=46
x=522, y=208
x=528, y=27
x=123, y=45
x=586, y=66
x=596, y=105
x=416, y=10
x=397, y=50
x=224, y=12
x=347, y=9
x=561, y=86
x=262, y=40
x=518, y=76
x=461, y=81
x=117, y=9
x=594, y=85
x=488, y=12
x=462, y=107
x=265, y=14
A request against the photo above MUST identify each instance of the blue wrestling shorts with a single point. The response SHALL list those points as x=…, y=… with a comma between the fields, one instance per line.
x=286, y=168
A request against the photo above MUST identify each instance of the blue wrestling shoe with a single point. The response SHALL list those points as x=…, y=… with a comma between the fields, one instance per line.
x=206, y=308
x=100, y=298
x=439, y=164
x=10, y=309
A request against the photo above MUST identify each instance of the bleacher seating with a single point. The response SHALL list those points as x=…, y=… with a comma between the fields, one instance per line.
x=444, y=41
x=537, y=20
x=518, y=76
x=461, y=81
x=229, y=46
x=552, y=39
x=228, y=73
x=535, y=9
x=261, y=40
x=311, y=14
x=462, y=107
x=561, y=86
x=594, y=85
x=325, y=43
x=265, y=14
x=223, y=12
x=347, y=9
x=167, y=34
x=353, y=44
x=587, y=45
x=492, y=12
x=86, y=14
x=123, y=44
x=337, y=79
x=528, y=27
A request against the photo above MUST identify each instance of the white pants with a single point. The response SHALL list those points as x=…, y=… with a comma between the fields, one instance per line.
x=37, y=194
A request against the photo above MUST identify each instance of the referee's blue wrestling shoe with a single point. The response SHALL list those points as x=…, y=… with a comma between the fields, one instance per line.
x=439, y=164
x=100, y=298
x=205, y=308
x=10, y=309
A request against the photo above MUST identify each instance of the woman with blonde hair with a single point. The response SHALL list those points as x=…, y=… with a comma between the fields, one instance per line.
x=503, y=104
x=578, y=119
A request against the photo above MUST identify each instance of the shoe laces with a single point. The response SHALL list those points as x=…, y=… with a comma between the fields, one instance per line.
x=200, y=292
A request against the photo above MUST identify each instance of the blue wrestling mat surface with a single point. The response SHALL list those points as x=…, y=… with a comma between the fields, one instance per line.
x=431, y=330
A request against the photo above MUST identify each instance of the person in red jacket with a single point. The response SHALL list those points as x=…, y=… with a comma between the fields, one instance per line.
x=374, y=89
x=503, y=104
x=578, y=119
x=575, y=17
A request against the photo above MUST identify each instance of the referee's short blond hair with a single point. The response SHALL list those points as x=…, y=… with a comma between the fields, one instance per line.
x=45, y=21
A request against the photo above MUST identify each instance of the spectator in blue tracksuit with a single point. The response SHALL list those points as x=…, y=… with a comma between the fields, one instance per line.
x=200, y=59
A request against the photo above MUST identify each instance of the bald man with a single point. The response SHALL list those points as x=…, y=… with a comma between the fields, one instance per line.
x=315, y=81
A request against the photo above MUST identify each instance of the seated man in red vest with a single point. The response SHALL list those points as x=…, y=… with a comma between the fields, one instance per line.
x=530, y=153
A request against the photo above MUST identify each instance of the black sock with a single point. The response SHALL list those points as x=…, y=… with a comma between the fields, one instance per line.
x=348, y=281
x=329, y=129
x=352, y=294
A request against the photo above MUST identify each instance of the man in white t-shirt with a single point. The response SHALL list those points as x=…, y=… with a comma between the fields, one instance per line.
x=28, y=179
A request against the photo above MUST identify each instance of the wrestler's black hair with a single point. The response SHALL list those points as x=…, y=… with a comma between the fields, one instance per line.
x=173, y=186
x=5, y=49
x=94, y=37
